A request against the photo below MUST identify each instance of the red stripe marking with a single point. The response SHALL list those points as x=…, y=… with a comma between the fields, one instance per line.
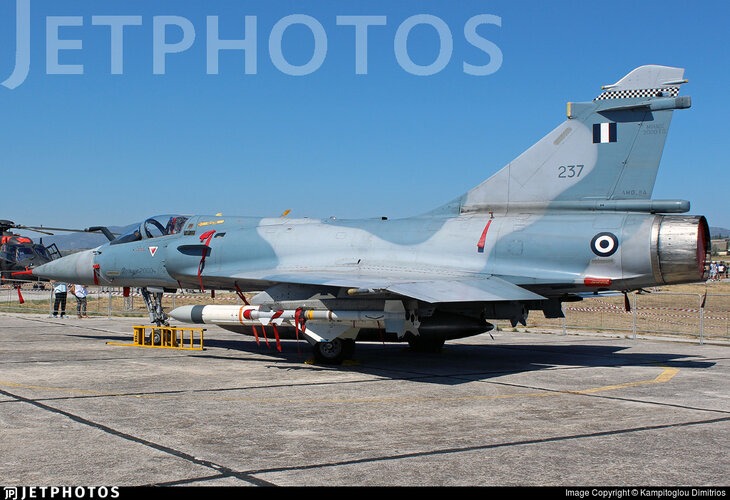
x=483, y=239
x=266, y=340
x=257, y=335
x=208, y=235
x=597, y=282
x=297, y=323
x=240, y=294
x=276, y=334
x=247, y=314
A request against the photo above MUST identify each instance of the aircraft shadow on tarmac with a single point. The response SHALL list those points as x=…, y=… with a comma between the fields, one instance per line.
x=471, y=362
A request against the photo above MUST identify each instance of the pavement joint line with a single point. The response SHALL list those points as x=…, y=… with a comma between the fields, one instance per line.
x=248, y=474
x=164, y=449
x=666, y=375
x=525, y=378
x=188, y=481
x=619, y=398
x=468, y=449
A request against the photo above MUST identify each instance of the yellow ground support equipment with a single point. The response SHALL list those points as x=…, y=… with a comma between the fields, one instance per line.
x=167, y=337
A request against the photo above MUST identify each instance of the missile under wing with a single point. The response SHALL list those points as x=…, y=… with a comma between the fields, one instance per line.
x=572, y=215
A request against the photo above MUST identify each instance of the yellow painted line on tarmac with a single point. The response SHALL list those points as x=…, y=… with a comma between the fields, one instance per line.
x=664, y=377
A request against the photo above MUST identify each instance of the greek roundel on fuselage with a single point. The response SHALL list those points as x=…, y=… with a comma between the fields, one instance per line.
x=604, y=244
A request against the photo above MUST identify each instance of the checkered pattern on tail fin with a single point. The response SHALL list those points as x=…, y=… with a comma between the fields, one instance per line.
x=631, y=93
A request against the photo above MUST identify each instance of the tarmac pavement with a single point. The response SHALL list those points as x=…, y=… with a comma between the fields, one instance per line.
x=527, y=409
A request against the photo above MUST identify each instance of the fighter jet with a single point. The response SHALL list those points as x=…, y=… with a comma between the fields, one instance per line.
x=570, y=217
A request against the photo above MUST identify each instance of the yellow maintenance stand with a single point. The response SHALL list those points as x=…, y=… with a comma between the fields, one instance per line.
x=167, y=337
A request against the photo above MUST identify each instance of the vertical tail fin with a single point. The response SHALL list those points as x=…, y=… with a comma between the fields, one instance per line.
x=607, y=149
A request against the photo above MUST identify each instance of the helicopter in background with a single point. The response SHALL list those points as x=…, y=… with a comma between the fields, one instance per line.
x=19, y=254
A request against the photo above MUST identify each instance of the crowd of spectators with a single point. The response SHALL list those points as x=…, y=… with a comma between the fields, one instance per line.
x=719, y=270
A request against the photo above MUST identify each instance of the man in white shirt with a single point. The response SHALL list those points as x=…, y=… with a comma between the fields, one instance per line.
x=59, y=291
x=80, y=292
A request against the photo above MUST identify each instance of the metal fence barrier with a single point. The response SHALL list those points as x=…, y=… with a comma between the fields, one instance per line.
x=683, y=315
x=697, y=316
x=101, y=301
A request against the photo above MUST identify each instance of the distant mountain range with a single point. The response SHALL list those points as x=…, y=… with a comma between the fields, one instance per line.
x=719, y=232
x=77, y=241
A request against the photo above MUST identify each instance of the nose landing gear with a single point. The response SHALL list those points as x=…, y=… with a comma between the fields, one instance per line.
x=153, y=301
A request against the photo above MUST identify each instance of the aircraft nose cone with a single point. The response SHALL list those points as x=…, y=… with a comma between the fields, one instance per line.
x=75, y=268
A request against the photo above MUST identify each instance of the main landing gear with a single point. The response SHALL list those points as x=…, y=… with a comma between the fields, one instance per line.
x=334, y=352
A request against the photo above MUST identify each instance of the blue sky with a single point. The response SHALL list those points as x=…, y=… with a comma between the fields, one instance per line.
x=97, y=148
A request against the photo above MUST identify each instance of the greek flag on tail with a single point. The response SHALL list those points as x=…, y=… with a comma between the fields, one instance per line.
x=604, y=132
x=638, y=108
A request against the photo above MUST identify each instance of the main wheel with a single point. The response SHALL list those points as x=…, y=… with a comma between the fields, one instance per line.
x=334, y=352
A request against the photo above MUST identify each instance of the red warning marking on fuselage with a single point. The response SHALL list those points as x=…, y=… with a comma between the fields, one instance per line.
x=483, y=239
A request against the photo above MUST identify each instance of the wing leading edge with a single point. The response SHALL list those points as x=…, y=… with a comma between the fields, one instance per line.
x=489, y=289
x=438, y=290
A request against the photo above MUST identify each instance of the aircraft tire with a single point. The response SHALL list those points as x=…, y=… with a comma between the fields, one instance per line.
x=334, y=352
x=156, y=337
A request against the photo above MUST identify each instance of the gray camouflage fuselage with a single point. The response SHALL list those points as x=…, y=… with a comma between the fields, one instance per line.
x=570, y=216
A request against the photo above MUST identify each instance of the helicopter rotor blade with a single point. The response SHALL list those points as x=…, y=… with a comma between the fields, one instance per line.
x=34, y=230
x=45, y=230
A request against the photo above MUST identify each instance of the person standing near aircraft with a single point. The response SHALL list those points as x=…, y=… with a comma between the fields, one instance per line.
x=60, y=290
x=80, y=292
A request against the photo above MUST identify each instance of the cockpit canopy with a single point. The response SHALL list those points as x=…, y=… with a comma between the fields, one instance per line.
x=19, y=252
x=154, y=227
